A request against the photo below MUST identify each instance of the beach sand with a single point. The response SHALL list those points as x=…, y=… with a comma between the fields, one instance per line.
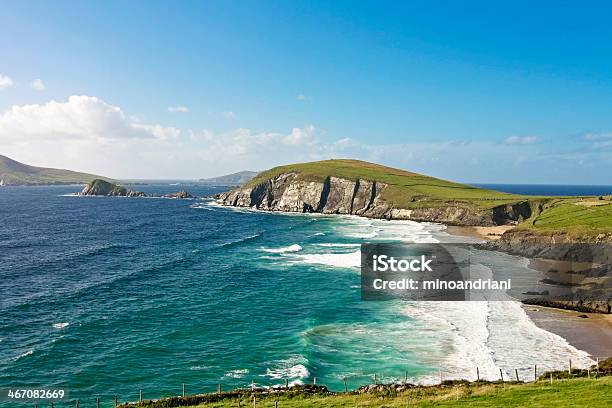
x=592, y=334
x=485, y=233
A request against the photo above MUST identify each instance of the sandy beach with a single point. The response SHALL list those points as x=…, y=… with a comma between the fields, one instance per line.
x=591, y=332
x=484, y=233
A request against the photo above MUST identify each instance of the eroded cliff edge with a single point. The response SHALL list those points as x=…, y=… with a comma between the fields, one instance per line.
x=289, y=193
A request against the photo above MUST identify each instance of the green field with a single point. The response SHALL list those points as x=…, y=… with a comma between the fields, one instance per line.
x=579, y=392
x=578, y=216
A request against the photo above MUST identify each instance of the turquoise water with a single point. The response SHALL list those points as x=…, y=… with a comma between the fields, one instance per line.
x=102, y=296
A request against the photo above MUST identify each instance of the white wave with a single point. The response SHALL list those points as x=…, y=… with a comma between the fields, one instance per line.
x=318, y=234
x=347, y=260
x=329, y=244
x=282, y=250
x=237, y=241
x=60, y=325
x=27, y=353
x=491, y=336
x=237, y=373
x=291, y=368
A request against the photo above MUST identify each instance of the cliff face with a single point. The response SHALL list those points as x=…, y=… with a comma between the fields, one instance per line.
x=559, y=246
x=287, y=192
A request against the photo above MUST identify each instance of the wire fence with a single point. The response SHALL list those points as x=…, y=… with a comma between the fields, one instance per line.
x=315, y=385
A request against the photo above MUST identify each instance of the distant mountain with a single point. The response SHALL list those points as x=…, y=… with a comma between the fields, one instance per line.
x=234, y=179
x=14, y=173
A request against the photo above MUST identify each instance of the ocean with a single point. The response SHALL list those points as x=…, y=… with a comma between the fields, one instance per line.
x=102, y=296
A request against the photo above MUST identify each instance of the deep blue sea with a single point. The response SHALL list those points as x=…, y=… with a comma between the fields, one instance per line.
x=103, y=295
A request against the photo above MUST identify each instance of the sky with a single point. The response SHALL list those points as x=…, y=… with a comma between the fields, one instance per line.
x=490, y=92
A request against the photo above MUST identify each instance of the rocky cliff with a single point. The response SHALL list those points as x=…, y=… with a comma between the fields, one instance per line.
x=290, y=193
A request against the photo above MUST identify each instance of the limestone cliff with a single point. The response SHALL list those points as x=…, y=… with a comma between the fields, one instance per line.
x=290, y=193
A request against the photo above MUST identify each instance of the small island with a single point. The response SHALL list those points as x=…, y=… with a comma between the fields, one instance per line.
x=99, y=187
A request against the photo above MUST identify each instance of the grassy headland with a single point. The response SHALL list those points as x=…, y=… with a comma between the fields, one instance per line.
x=581, y=217
x=405, y=189
x=14, y=173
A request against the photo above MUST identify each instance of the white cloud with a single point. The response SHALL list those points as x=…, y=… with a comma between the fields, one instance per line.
x=87, y=134
x=178, y=109
x=301, y=97
x=229, y=115
x=5, y=82
x=599, y=140
x=80, y=118
x=513, y=140
x=38, y=85
x=597, y=136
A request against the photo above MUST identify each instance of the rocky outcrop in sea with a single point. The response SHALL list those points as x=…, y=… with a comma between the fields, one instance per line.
x=104, y=188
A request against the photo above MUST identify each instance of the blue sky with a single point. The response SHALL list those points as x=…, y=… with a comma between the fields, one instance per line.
x=477, y=92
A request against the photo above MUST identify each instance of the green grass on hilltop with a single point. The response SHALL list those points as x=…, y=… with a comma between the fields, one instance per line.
x=577, y=216
x=580, y=392
x=405, y=189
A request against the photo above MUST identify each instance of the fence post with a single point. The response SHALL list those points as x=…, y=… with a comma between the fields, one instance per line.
x=254, y=401
x=286, y=383
x=97, y=402
x=345, y=386
x=406, y=377
x=77, y=404
x=314, y=381
x=140, y=394
x=374, y=378
x=219, y=388
x=477, y=374
x=550, y=378
x=183, y=390
x=275, y=404
x=570, y=366
x=115, y=401
x=501, y=375
x=516, y=372
x=535, y=372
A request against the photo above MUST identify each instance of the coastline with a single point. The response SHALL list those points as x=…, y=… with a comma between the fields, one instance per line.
x=484, y=233
x=592, y=333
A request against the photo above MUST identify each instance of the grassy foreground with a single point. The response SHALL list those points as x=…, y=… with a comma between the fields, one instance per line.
x=578, y=392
